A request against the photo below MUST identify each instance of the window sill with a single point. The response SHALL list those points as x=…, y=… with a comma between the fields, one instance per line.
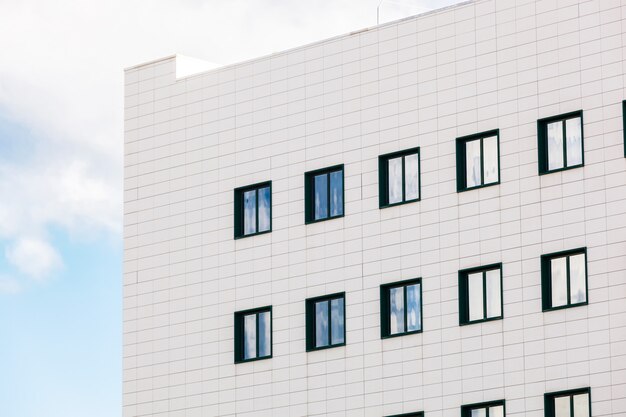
x=253, y=234
x=561, y=169
x=237, y=361
x=325, y=347
x=477, y=187
x=565, y=306
x=323, y=220
x=400, y=203
x=468, y=323
x=389, y=336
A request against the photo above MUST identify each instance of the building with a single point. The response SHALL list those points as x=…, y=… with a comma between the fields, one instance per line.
x=469, y=168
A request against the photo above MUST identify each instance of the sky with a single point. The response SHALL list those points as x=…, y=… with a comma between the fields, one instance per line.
x=61, y=158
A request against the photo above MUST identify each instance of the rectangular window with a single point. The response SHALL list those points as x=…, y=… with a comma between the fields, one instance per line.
x=323, y=194
x=564, y=279
x=624, y=123
x=253, y=334
x=573, y=403
x=480, y=294
x=560, y=142
x=478, y=160
x=399, y=177
x=253, y=210
x=325, y=322
x=401, y=308
x=489, y=409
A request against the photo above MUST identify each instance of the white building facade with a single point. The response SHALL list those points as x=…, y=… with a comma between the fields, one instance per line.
x=427, y=216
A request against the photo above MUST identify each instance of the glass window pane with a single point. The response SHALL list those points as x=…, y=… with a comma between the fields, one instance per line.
x=336, y=320
x=249, y=336
x=497, y=411
x=581, y=405
x=472, y=163
x=396, y=310
x=555, y=145
x=321, y=196
x=413, y=311
x=490, y=153
x=577, y=285
x=475, y=291
x=395, y=180
x=336, y=193
x=264, y=209
x=265, y=336
x=574, y=144
x=479, y=412
x=411, y=176
x=321, y=323
x=562, y=407
x=494, y=303
x=559, y=281
x=249, y=212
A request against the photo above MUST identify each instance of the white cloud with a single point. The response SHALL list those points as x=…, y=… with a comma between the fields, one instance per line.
x=33, y=257
x=61, y=75
x=9, y=285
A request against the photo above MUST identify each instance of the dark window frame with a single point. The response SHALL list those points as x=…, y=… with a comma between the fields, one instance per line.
x=546, y=279
x=461, y=165
x=383, y=177
x=415, y=414
x=240, y=212
x=310, y=321
x=464, y=294
x=239, y=334
x=309, y=193
x=466, y=410
x=549, y=398
x=542, y=141
x=385, y=316
x=624, y=124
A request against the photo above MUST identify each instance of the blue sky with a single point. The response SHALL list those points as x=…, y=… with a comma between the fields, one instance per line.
x=61, y=158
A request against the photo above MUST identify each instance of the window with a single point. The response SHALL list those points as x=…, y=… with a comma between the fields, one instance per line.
x=401, y=308
x=253, y=210
x=323, y=194
x=574, y=403
x=560, y=142
x=399, y=177
x=478, y=160
x=624, y=122
x=253, y=334
x=325, y=322
x=480, y=294
x=490, y=409
x=564, y=279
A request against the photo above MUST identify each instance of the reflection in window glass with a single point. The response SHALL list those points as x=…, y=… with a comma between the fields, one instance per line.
x=559, y=281
x=337, y=319
x=472, y=163
x=562, y=407
x=475, y=292
x=264, y=209
x=249, y=213
x=555, y=145
x=411, y=175
x=479, y=412
x=396, y=303
x=249, y=339
x=413, y=307
x=574, y=142
x=497, y=411
x=578, y=287
x=321, y=323
x=336, y=193
x=321, y=196
x=490, y=153
x=265, y=337
x=494, y=304
x=581, y=405
x=395, y=180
